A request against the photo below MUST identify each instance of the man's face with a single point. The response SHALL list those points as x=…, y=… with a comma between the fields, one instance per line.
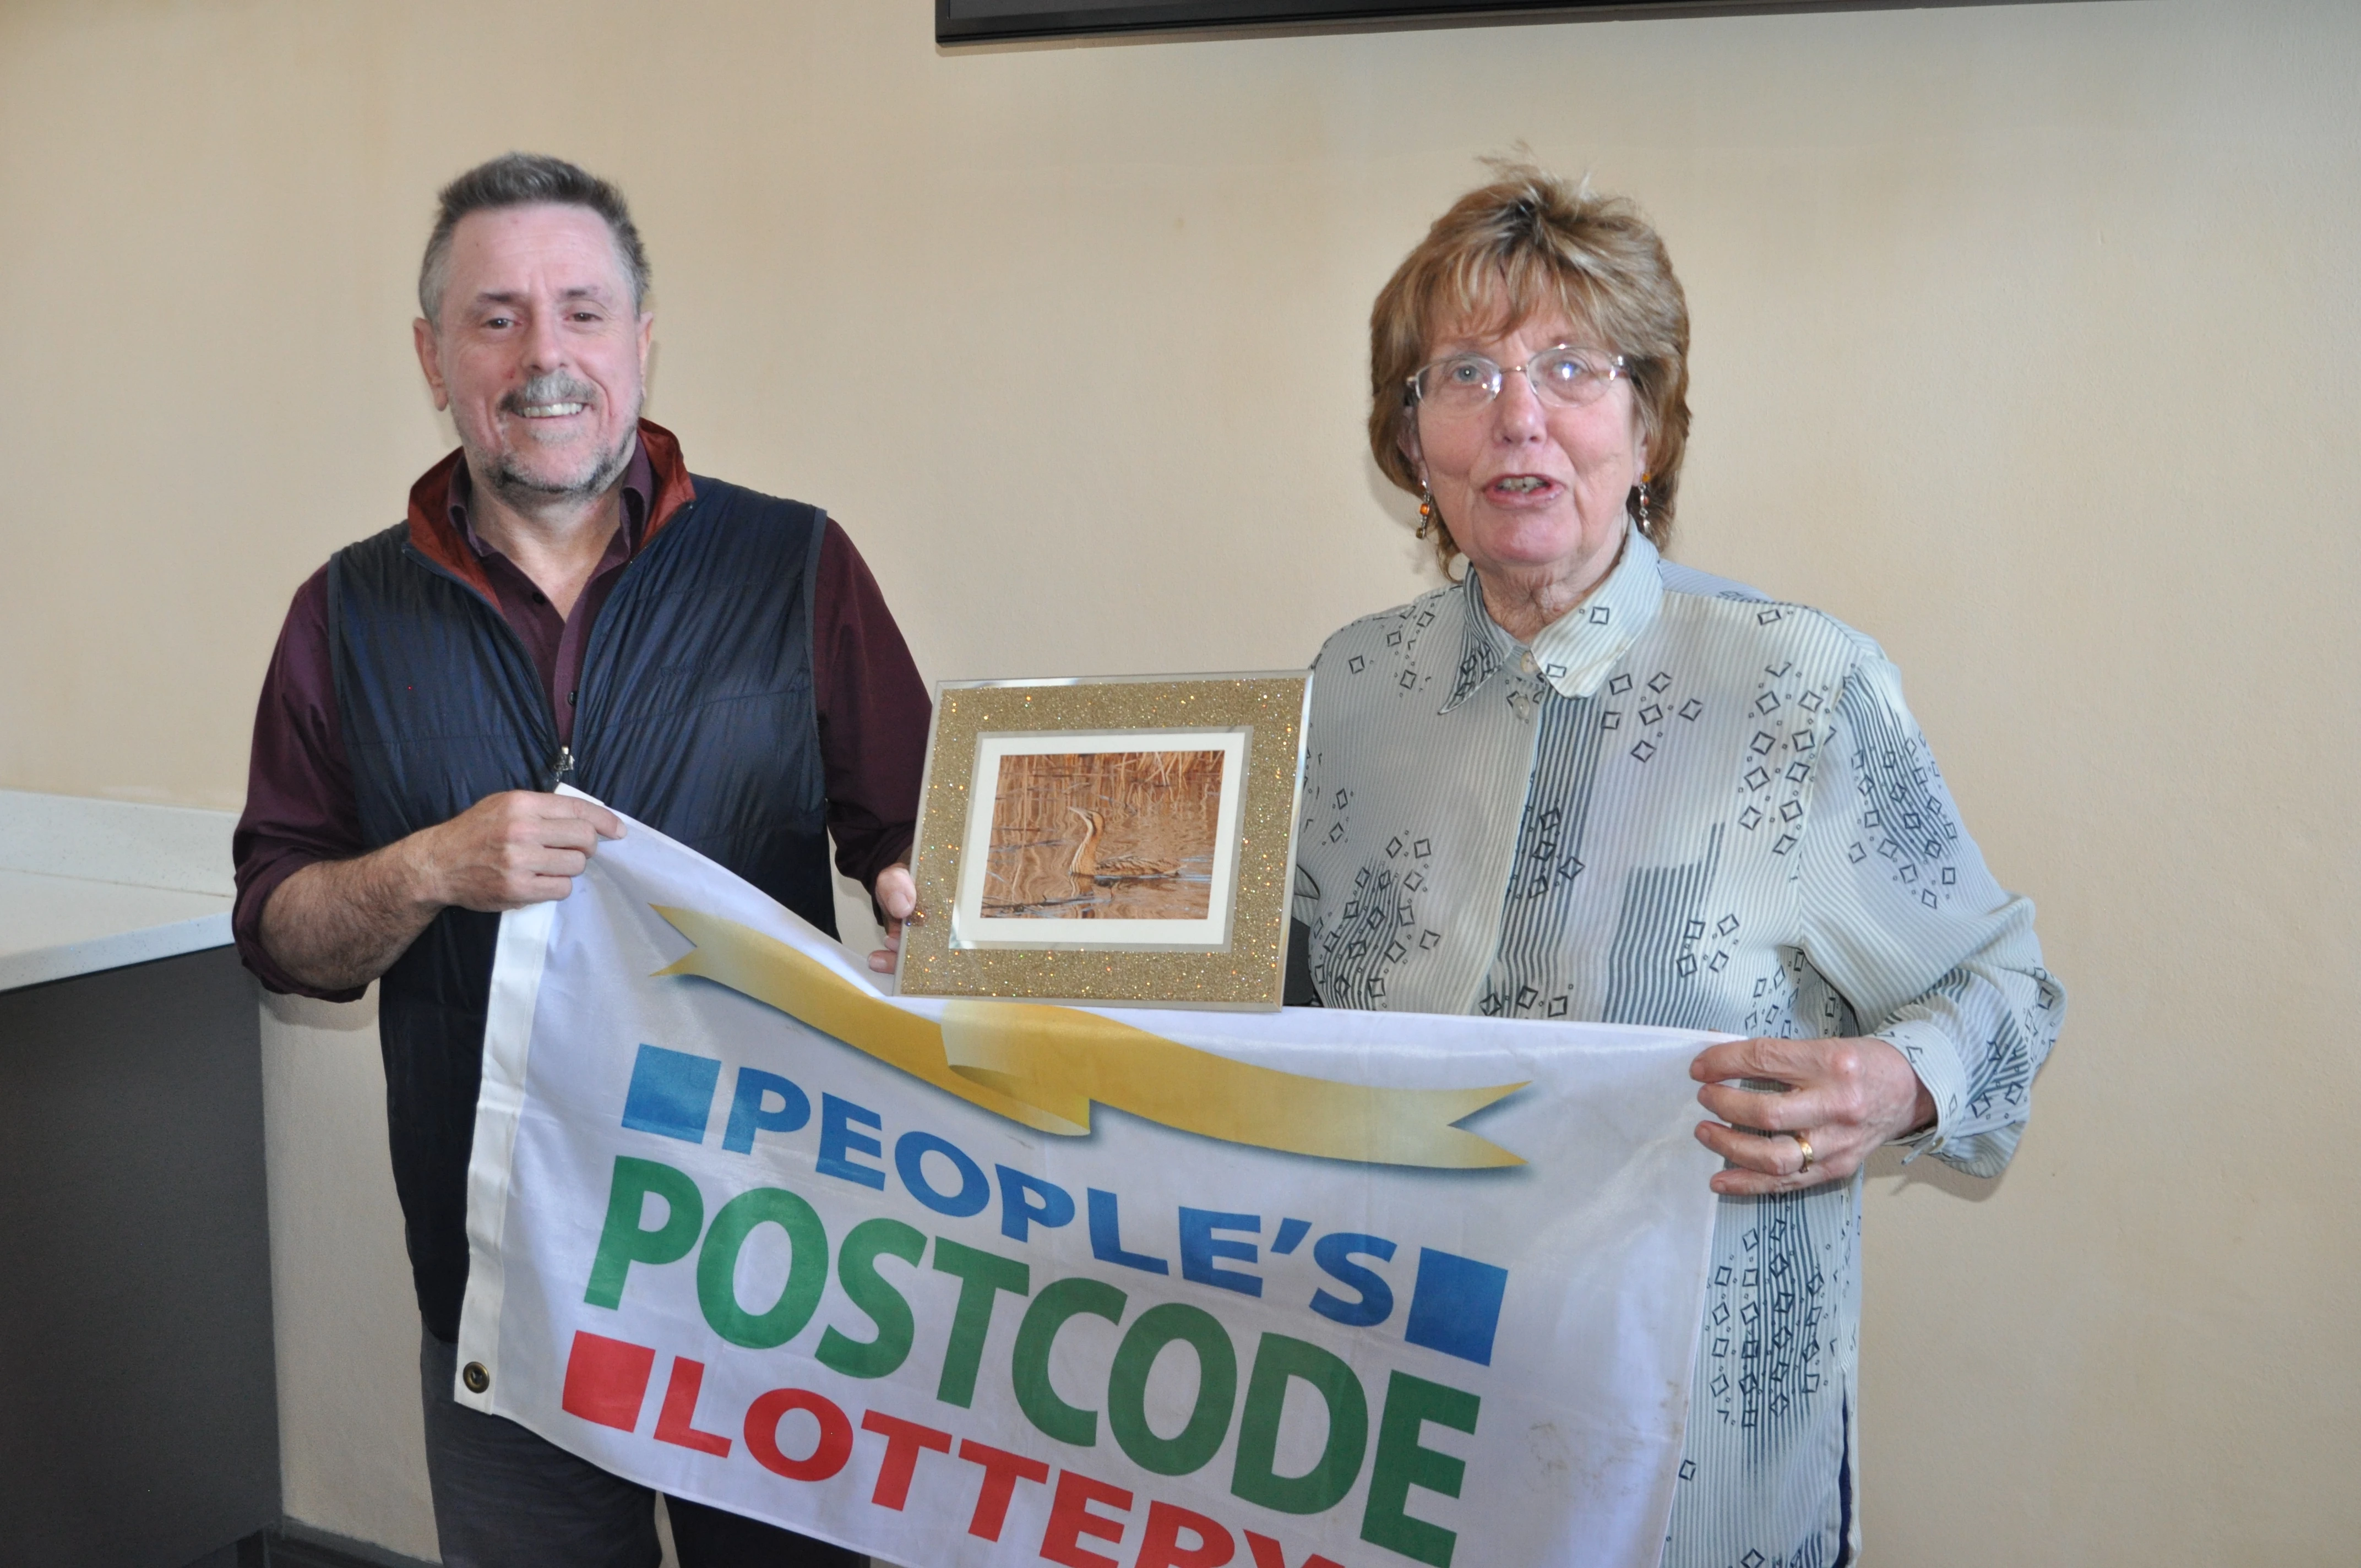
x=538, y=354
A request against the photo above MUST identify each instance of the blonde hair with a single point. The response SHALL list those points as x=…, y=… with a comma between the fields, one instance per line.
x=1506, y=251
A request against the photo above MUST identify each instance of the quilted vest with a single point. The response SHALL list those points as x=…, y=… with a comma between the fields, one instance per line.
x=695, y=716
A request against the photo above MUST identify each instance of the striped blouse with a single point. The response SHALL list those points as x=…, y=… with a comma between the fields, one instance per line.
x=1684, y=804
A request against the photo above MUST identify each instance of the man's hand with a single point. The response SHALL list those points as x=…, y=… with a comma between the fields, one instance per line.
x=1842, y=1099
x=336, y=924
x=508, y=851
x=897, y=896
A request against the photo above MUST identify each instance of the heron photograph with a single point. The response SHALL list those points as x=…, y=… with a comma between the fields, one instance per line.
x=1104, y=834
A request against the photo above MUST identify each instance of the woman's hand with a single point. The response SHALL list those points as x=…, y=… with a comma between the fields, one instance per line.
x=1842, y=1099
x=897, y=896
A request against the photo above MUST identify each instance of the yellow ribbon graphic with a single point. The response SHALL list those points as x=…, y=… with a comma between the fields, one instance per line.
x=1044, y=1066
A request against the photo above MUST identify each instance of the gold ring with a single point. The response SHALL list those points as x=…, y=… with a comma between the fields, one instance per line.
x=1804, y=1143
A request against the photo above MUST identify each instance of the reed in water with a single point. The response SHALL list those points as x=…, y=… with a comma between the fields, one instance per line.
x=1104, y=835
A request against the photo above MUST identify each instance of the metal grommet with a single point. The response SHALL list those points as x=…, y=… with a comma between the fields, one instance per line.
x=473, y=1375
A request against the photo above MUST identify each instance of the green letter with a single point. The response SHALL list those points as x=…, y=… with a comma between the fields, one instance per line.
x=717, y=1268
x=982, y=1276
x=856, y=1270
x=623, y=1244
x=1059, y=1300
x=1324, y=1485
x=1217, y=1389
x=1401, y=1463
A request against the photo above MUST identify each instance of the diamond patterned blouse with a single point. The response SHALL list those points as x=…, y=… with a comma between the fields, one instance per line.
x=1684, y=805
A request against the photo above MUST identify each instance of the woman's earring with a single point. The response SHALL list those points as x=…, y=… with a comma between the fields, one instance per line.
x=1640, y=491
x=1425, y=512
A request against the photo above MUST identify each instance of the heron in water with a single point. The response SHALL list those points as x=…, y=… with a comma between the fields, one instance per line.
x=1114, y=868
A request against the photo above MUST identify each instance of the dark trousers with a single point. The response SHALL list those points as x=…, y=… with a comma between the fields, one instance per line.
x=505, y=1497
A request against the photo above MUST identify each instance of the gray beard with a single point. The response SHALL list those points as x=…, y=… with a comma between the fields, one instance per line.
x=524, y=492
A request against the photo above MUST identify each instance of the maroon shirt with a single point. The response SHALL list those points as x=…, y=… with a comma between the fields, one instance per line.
x=872, y=709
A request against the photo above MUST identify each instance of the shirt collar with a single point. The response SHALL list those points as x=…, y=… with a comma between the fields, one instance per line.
x=1573, y=653
x=436, y=537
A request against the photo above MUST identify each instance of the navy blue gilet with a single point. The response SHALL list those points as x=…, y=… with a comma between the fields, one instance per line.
x=695, y=716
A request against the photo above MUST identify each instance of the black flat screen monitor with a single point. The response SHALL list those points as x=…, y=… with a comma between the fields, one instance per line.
x=986, y=21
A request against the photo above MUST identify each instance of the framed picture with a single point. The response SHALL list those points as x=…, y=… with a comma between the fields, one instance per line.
x=1121, y=840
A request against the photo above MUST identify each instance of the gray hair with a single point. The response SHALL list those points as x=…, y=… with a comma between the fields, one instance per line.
x=525, y=179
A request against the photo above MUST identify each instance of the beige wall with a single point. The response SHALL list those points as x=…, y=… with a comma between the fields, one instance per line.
x=2026, y=340
x=352, y=1443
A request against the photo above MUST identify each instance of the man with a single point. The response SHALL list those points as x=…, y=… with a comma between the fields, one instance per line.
x=564, y=603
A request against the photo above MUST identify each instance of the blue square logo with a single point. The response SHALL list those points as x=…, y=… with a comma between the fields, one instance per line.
x=672, y=1093
x=1456, y=1307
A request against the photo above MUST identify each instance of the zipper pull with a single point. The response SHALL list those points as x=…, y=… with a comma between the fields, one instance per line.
x=565, y=765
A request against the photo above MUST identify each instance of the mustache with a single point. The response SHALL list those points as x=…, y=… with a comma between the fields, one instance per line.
x=555, y=387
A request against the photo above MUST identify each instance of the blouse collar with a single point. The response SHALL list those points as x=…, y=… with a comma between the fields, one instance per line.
x=1573, y=653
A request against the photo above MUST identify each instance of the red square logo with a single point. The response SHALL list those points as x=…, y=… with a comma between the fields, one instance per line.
x=607, y=1380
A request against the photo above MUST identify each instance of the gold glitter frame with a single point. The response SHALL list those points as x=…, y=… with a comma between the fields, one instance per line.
x=1250, y=973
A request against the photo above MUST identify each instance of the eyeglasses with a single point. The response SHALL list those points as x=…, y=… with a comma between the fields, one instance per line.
x=1561, y=377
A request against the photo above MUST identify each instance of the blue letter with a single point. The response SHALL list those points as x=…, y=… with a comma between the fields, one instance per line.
x=748, y=1116
x=1106, y=1237
x=1199, y=1249
x=1457, y=1305
x=671, y=1094
x=910, y=1151
x=1334, y=1252
x=837, y=1140
x=1056, y=1208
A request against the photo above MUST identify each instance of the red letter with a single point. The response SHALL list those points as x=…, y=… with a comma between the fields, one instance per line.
x=606, y=1380
x=1071, y=1519
x=1161, y=1545
x=677, y=1423
x=1267, y=1555
x=902, y=1442
x=1002, y=1471
x=828, y=1455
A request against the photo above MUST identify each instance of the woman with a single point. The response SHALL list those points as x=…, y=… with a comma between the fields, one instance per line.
x=1583, y=782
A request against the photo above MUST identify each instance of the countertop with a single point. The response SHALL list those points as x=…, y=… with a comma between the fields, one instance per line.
x=95, y=885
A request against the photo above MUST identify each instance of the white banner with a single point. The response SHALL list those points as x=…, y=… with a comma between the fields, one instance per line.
x=745, y=1230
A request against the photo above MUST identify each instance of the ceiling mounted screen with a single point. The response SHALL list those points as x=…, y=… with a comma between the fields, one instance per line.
x=984, y=21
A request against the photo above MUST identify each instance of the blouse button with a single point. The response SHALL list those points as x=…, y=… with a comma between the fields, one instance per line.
x=1526, y=663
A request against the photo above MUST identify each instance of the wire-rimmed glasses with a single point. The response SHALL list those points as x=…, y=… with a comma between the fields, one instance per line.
x=1560, y=377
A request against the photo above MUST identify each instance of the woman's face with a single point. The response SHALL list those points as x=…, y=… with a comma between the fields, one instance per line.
x=1531, y=490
